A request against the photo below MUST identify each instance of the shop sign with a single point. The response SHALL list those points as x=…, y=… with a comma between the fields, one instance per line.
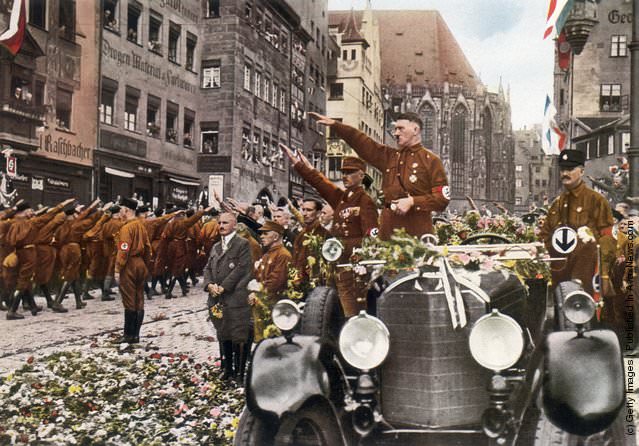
x=216, y=188
x=179, y=193
x=37, y=183
x=12, y=166
x=64, y=148
x=20, y=178
x=58, y=183
x=208, y=163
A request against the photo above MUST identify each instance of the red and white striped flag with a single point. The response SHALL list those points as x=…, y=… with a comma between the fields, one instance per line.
x=558, y=11
x=12, y=38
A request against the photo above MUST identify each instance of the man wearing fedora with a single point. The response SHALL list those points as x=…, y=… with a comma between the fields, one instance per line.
x=585, y=211
x=271, y=270
x=355, y=215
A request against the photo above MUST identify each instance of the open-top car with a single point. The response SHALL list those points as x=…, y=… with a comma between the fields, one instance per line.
x=451, y=356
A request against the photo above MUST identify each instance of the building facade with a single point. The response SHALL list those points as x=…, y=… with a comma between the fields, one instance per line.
x=355, y=91
x=48, y=102
x=535, y=172
x=592, y=94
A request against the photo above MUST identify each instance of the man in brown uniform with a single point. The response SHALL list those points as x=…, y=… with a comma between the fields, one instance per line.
x=209, y=235
x=355, y=215
x=414, y=182
x=6, y=286
x=271, y=271
x=301, y=251
x=134, y=252
x=109, y=250
x=577, y=207
x=96, y=268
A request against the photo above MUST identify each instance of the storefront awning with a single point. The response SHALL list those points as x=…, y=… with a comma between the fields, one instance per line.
x=183, y=182
x=118, y=173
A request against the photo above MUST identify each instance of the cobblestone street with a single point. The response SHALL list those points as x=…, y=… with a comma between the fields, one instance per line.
x=170, y=326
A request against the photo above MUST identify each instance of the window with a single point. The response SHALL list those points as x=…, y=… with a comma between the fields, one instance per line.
x=345, y=54
x=544, y=183
x=610, y=97
x=625, y=141
x=66, y=19
x=353, y=54
x=518, y=182
x=107, y=100
x=611, y=144
x=258, y=83
x=248, y=10
x=267, y=89
x=246, y=143
x=171, y=122
x=189, y=119
x=133, y=23
x=213, y=8
x=519, y=168
x=247, y=77
x=174, y=41
x=64, y=99
x=618, y=46
x=152, y=114
x=537, y=169
x=517, y=200
x=283, y=100
x=39, y=92
x=255, y=146
x=211, y=74
x=274, y=91
x=334, y=167
x=537, y=183
x=210, y=137
x=337, y=91
x=131, y=105
x=110, y=15
x=155, y=32
x=191, y=42
x=38, y=13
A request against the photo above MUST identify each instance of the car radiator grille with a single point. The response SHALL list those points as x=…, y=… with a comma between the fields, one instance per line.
x=430, y=378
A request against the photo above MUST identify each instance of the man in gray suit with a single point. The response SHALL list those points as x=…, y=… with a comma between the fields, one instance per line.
x=226, y=275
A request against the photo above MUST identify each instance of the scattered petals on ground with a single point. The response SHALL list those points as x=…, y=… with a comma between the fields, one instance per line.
x=113, y=395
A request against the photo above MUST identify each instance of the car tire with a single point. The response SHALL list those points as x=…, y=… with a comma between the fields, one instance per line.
x=322, y=314
x=252, y=431
x=549, y=434
x=311, y=426
x=528, y=427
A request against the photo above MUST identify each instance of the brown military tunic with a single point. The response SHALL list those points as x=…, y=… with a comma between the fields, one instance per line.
x=134, y=252
x=576, y=208
x=414, y=171
x=175, y=233
x=154, y=228
x=46, y=251
x=209, y=235
x=97, y=265
x=9, y=275
x=21, y=237
x=109, y=234
x=272, y=272
x=69, y=236
x=302, y=252
x=355, y=216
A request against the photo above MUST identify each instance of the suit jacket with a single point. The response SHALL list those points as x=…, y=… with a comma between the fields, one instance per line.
x=232, y=270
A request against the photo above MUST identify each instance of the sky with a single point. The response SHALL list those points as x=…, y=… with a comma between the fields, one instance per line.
x=500, y=38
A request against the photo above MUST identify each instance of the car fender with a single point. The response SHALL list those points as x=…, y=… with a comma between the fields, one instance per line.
x=583, y=387
x=284, y=375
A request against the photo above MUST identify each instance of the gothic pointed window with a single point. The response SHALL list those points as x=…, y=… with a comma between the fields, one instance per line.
x=458, y=151
x=487, y=131
x=429, y=118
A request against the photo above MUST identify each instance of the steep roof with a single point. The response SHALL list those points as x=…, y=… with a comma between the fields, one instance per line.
x=418, y=44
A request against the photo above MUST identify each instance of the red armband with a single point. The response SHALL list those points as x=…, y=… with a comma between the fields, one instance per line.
x=444, y=190
x=606, y=231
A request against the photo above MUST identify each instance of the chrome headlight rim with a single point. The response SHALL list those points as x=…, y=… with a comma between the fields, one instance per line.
x=483, y=346
x=332, y=249
x=364, y=341
x=286, y=314
x=573, y=306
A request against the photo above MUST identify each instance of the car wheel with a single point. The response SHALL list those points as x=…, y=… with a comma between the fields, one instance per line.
x=309, y=426
x=528, y=428
x=322, y=314
x=252, y=430
x=549, y=434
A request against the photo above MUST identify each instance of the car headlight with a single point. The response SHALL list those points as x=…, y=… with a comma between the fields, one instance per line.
x=579, y=307
x=496, y=341
x=332, y=249
x=286, y=314
x=364, y=341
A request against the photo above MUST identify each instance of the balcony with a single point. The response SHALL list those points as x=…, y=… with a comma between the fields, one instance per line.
x=23, y=109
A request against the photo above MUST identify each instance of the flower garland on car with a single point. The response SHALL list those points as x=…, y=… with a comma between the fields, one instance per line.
x=103, y=396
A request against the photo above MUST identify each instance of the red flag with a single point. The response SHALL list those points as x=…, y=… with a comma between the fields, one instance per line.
x=563, y=51
x=12, y=38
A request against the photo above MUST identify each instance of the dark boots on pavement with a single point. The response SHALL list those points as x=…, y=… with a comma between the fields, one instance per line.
x=57, y=304
x=13, y=314
x=106, y=289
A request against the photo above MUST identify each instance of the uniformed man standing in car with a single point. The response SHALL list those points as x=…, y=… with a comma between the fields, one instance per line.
x=414, y=182
x=355, y=216
x=578, y=207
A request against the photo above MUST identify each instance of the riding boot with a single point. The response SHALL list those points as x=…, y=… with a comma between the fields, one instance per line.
x=13, y=314
x=154, y=284
x=227, y=346
x=129, y=327
x=28, y=296
x=5, y=300
x=138, y=324
x=165, y=281
x=47, y=295
x=78, y=296
x=169, y=290
x=183, y=285
x=57, y=304
x=106, y=289
x=86, y=286
x=193, y=277
x=147, y=290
